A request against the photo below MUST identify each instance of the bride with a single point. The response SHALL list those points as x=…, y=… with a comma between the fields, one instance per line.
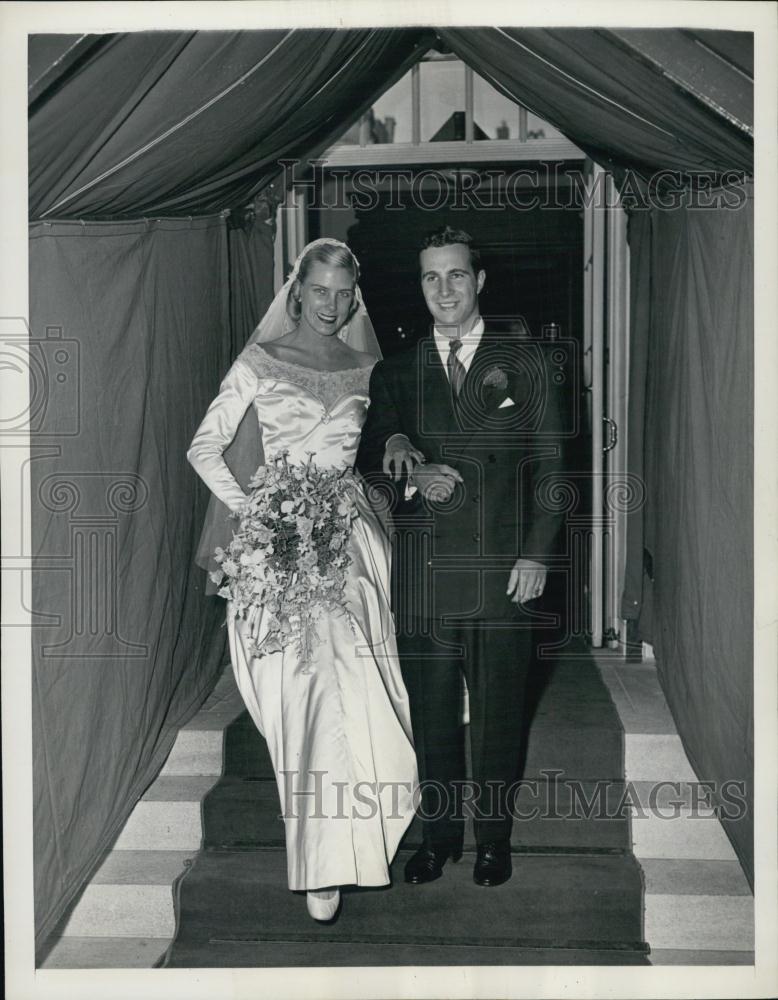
x=337, y=725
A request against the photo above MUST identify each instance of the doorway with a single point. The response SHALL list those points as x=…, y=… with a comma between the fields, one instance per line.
x=533, y=256
x=532, y=250
x=556, y=259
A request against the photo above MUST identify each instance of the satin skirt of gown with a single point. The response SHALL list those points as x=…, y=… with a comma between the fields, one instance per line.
x=338, y=728
x=344, y=763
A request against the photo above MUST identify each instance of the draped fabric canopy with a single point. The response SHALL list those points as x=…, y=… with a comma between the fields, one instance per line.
x=624, y=109
x=195, y=122
x=124, y=127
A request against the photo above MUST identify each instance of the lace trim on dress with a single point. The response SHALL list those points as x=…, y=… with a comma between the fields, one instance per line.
x=328, y=387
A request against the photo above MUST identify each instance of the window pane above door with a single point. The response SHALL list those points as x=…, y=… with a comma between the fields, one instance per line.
x=500, y=117
x=496, y=115
x=393, y=114
x=442, y=100
x=442, y=110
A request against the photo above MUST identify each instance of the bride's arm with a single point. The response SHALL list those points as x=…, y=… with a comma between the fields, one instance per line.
x=216, y=432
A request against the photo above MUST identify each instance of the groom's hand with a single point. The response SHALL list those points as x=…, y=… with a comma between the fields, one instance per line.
x=436, y=482
x=527, y=581
x=400, y=457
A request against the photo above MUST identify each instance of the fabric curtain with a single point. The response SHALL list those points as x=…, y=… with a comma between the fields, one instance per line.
x=605, y=96
x=130, y=328
x=691, y=554
x=195, y=122
x=251, y=250
x=251, y=237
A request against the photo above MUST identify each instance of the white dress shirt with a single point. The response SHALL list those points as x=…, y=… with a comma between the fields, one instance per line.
x=470, y=342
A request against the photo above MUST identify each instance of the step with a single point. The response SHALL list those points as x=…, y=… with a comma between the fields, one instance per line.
x=223, y=705
x=244, y=813
x=653, y=750
x=341, y=957
x=688, y=878
x=687, y=835
x=199, y=745
x=123, y=911
x=700, y=922
x=697, y=906
x=247, y=900
x=195, y=752
x=106, y=953
x=637, y=694
x=142, y=867
x=653, y=757
x=169, y=816
x=125, y=917
x=130, y=896
x=680, y=956
x=656, y=757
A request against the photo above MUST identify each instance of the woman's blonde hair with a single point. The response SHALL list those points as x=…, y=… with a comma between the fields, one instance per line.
x=332, y=254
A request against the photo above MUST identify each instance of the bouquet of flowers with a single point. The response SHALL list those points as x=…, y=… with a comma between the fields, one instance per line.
x=288, y=556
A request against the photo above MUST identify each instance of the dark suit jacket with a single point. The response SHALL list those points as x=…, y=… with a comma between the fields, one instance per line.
x=454, y=559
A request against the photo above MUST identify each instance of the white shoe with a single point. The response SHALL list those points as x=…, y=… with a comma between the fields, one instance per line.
x=323, y=903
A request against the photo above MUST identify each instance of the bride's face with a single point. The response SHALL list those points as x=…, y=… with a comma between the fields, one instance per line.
x=326, y=296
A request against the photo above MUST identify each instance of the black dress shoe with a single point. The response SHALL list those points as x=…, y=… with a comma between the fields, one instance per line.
x=427, y=863
x=493, y=863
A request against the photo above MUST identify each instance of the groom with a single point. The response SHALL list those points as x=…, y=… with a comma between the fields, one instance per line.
x=472, y=537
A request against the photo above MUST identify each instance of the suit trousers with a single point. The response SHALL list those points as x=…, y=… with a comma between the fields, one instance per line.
x=494, y=659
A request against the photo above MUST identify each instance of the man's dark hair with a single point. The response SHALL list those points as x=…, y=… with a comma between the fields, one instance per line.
x=447, y=236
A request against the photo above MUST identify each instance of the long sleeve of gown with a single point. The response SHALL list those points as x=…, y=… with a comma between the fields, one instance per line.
x=215, y=433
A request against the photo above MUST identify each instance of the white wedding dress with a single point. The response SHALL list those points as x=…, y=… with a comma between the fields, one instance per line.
x=338, y=729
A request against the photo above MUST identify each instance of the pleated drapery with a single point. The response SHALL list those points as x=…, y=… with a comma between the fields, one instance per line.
x=597, y=88
x=690, y=565
x=127, y=646
x=195, y=122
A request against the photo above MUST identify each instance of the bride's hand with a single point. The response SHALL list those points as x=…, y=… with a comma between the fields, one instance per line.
x=401, y=457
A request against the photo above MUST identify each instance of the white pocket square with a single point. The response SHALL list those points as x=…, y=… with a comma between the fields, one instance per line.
x=506, y=402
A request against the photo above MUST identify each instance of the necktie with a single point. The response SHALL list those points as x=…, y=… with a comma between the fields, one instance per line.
x=456, y=370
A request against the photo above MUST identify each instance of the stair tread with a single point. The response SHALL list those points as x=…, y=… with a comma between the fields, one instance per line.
x=690, y=956
x=313, y=954
x=245, y=812
x=697, y=877
x=686, y=837
x=180, y=788
x=106, y=953
x=638, y=696
x=123, y=911
x=244, y=896
x=142, y=867
x=701, y=922
x=223, y=705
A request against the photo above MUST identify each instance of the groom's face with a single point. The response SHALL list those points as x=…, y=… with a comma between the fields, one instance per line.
x=451, y=287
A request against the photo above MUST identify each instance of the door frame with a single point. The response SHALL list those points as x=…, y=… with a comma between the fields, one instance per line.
x=606, y=381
